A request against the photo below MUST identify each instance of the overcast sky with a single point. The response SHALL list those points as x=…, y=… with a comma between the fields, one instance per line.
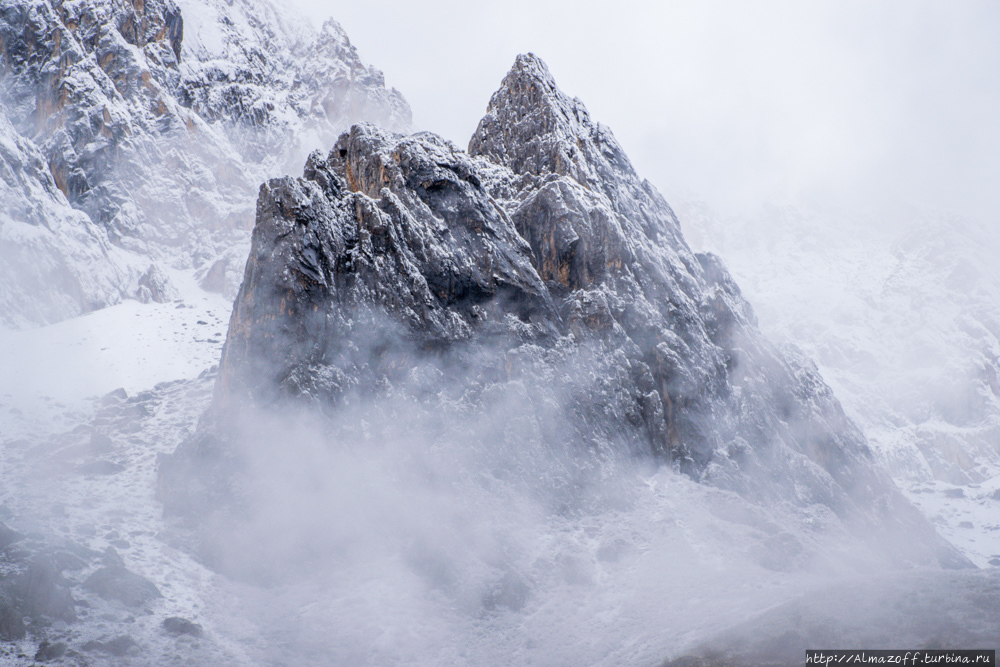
x=735, y=102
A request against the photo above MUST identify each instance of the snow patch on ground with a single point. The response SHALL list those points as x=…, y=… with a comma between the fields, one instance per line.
x=967, y=516
x=131, y=345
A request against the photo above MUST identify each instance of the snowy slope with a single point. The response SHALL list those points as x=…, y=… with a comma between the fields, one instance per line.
x=602, y=575
x=653, y=565
x=647, y=567
x=903, y=319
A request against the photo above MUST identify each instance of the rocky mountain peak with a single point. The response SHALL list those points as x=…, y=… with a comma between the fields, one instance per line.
x=538, y=132
x=540, y=270
x=532, y=127
x=332, y=29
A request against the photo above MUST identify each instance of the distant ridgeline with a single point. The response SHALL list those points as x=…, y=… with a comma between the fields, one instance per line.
x=537, y=263
x=135, y=134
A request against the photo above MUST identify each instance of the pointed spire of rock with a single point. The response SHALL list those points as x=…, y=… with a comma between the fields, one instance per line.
x=533, y=127
x=537, y=131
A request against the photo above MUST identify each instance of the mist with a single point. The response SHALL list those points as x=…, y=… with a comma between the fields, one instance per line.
x=371, y=487
x=448, y=519
x=848, y=104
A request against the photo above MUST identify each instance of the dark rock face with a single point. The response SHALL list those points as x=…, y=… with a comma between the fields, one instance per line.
x=175, y=625
x=11, y=624
x=434, y=250
x=540, y=250
x=119, y=646
x=47, y=651
x=45, y=592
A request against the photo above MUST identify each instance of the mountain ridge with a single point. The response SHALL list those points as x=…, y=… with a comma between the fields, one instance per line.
x=392, y=254
x=159, y=128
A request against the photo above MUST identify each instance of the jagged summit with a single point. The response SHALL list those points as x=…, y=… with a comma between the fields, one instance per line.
x=537, y=131
x=533, y=128
x=539, y=265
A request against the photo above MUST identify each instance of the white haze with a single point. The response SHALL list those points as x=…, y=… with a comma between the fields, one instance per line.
x=452, y=522
x=401, y=535
x=859, y=103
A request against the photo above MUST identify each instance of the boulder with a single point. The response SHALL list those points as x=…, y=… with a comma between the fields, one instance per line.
x=115, y=582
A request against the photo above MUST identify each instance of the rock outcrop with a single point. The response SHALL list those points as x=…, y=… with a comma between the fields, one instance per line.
x=537, y=263
x=157, y=120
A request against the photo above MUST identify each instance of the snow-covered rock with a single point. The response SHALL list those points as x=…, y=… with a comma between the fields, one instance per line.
x=54, y=261
x=159, y=121
x=539, y=263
